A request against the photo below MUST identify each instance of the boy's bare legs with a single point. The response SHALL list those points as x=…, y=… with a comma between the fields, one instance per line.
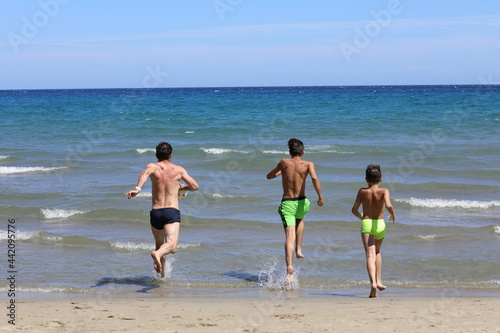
x=289, y=249
x=378, y=264
x=166, y=242
x=371, y=258
x=299, y=233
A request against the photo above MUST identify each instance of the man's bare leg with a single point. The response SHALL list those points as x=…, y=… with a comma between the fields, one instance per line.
x=289, y=249
x=299, y=232
x=166, y=242
x=369, y=245
x=378, y=264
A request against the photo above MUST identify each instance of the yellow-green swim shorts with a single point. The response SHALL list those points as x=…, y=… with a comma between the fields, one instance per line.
x=293, y=208
x=373, y=227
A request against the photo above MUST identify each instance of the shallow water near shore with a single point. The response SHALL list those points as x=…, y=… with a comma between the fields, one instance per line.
x=67, y=158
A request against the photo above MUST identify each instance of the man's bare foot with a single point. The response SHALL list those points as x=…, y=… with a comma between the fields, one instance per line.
x=299, y=254
x=381, y=287
x=373, y=293
x=157, y=260
x=289, y=275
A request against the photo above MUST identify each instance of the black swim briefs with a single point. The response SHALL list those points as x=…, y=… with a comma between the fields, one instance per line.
x=161, y=216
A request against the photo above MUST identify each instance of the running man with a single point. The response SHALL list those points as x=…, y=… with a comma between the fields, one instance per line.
x=373, y=199
x=165, y=217
x=294, y=204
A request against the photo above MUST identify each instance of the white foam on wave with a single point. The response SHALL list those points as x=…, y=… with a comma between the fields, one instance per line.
x=20, y=235
x=131, y=246
x=497, y=229
x=428, y=237
x=26, y=235
x=145, y=194
x=189, y=132
x=2, y=157
x=146, y=150
x=449, y=203
x=14, y=170
x=54, y=213
x=222, y=196
x=220, y=151
x=280, y=152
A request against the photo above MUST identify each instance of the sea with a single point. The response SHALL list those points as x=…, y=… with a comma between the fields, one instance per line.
x=68, y=158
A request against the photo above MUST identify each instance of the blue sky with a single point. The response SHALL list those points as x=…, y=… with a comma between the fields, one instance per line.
x=50, y=44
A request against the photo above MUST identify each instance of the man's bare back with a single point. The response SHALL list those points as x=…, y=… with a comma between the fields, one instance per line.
x=165, y=178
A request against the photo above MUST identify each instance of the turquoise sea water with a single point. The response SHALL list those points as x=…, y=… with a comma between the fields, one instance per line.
x=67, y=158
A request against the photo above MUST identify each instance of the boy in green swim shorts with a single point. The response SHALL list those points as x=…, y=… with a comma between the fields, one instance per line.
x=373, y=200
x=294, y=204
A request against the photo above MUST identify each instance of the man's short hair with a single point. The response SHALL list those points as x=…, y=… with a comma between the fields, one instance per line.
x=163, y=151
x=373, y=173
x=295, y=147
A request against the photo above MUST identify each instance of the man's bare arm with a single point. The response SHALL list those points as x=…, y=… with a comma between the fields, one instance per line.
x=143, y=178
x=316, y=184
x=192, y=185
x=388, y=205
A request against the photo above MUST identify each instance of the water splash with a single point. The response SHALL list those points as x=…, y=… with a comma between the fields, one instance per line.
x=273, y=278
x=167, y=269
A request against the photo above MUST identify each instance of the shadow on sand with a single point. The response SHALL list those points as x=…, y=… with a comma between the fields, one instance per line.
x=146, y=282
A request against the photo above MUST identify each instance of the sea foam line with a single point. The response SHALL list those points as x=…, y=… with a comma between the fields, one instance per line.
x=49, y=213
x=447, y=203
x=145, y=150
x=14, y=170
x=2, y=157
x=28, y=235
x=131, y=246
x=220, y=151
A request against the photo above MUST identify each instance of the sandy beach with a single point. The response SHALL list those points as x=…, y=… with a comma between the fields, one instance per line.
x=325, y=314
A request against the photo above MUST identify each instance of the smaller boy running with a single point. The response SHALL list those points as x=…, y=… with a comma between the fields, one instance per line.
x=294, y=204
x=373, y=200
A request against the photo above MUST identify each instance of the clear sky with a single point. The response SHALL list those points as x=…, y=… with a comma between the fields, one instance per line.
x=49, y=44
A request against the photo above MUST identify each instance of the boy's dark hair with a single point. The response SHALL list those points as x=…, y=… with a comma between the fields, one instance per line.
x=373, y=173
x=295, y=147
x=163, y=151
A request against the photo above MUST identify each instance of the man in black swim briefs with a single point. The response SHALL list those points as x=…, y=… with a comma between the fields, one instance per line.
x=165, y=217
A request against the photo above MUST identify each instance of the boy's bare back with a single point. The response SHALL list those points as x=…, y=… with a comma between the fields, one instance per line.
x=294, y=173
x=373, y=200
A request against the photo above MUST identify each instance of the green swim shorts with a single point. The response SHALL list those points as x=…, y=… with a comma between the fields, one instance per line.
x=373, y=227
x=293, y=208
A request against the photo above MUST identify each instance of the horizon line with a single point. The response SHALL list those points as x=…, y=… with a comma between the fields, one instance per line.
x=278, y=86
